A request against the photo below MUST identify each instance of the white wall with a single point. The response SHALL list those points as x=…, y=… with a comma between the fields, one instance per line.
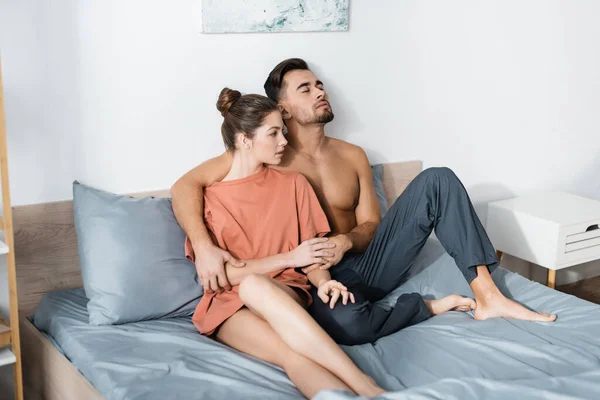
x=121, y=94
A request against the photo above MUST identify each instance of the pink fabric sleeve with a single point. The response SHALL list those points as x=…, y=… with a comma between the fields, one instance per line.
x=189, y=250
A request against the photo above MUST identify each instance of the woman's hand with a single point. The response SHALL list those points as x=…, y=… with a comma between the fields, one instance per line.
x=334, y=289
x=342, y=245
x=311, y=251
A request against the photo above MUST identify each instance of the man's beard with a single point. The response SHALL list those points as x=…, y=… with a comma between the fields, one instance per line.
x=324, y=118
x=305, y=118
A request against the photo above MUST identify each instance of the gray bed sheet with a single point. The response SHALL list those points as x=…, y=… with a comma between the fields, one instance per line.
x=450, y=356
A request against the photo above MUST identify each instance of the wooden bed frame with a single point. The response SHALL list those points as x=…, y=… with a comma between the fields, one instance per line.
x=47, y=260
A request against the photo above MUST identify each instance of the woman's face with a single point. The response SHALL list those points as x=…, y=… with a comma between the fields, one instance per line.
x=268, y=143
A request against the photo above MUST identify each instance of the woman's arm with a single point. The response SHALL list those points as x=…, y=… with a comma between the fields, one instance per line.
x=261, y=266
x=318, y=276
x=309, y=252
x=329, y=291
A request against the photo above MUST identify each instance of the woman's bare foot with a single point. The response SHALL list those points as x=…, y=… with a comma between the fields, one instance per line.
x=370, y=388
x=454, y=302
x=498, y=306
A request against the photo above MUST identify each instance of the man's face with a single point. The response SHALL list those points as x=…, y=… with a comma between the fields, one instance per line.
x=304, y=98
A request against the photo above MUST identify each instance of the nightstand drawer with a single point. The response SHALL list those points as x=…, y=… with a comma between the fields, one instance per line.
x=581, y=242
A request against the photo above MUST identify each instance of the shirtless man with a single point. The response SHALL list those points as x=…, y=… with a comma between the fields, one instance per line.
x=370, y=256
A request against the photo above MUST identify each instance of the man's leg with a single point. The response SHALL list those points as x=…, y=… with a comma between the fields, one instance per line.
x=365, y=321
x=436, y=199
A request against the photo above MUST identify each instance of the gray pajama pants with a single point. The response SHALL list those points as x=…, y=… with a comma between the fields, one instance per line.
x=435, y=199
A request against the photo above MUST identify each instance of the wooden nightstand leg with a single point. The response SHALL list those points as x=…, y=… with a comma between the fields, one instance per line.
x=551, y=278
x=499, y=254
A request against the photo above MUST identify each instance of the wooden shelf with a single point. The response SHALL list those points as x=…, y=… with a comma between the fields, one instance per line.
x=11, y=352
x=7, y=357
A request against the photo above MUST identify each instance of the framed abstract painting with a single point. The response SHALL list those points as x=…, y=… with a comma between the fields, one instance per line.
x=243, y=16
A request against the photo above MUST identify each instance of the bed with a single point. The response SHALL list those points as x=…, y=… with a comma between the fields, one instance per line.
x=448, y=356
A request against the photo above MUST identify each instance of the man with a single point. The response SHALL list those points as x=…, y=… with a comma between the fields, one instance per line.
x=369, y=257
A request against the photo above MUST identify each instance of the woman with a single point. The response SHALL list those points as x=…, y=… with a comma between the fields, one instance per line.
x=272, y=221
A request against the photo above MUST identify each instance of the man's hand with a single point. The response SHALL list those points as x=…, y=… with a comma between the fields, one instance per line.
x=334, y=289
x=210, y=265
x=342, y=245
x=312, y=251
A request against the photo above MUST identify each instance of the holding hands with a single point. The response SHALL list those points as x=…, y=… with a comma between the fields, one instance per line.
x=312, y=251
x=341, y=244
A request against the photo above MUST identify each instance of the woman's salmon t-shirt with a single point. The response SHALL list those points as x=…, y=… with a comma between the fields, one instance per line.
x=265, y=214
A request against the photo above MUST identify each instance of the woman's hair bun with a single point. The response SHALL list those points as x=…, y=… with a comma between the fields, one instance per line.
x=226, y=99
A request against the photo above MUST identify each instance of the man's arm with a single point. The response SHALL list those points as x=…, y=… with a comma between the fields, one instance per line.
x=188, y=206
x=188, y=196
x=368, y=214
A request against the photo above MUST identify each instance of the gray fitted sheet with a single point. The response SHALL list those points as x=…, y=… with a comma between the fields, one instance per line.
x=450, y=356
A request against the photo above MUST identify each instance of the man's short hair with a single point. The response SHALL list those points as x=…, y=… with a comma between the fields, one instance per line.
x=274, y=83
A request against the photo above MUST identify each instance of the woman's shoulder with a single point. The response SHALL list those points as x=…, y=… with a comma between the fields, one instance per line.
x=292, y=177
x=288, y=175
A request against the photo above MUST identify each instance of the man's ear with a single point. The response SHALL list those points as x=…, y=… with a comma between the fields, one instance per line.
x=284, y=113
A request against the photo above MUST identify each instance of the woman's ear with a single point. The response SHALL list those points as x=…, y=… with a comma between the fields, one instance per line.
x=239, y=140
x=246, y=142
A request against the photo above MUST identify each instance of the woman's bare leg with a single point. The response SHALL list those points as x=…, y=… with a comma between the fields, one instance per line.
x=301, y=333
x=249, y=333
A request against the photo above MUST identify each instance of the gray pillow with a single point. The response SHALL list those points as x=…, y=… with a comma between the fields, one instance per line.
x=378, y=183
x=132, y=258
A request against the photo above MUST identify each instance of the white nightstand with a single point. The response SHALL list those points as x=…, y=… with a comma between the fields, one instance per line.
x=552, y=229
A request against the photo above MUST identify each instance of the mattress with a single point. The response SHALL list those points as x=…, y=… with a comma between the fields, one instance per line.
x=450, y=356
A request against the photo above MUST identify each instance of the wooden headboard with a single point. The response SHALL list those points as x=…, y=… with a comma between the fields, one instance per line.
x=46, y=243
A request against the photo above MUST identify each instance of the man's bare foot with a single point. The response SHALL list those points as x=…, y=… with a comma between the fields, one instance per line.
x=454, y=302
x=498, y=306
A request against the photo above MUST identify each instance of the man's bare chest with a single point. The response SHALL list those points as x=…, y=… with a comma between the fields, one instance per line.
x=335, y=182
